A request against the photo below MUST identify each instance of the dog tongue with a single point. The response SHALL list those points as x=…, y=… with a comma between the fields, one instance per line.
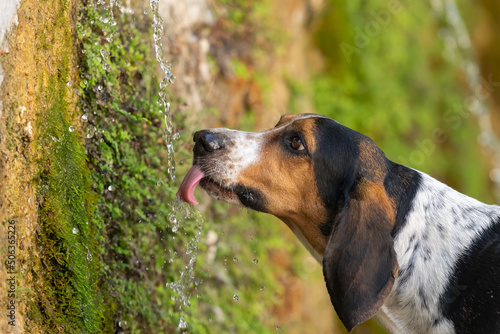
x=188, y=185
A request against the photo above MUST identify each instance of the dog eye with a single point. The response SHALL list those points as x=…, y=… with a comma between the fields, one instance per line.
x=296, y=144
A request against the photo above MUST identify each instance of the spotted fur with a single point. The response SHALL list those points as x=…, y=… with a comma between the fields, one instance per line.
x=395, y=243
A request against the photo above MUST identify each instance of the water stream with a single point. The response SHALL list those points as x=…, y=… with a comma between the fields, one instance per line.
x=181, y=213
x=168, y=78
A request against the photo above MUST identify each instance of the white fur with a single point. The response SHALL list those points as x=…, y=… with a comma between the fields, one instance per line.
x=441, y=226
x=243, y=149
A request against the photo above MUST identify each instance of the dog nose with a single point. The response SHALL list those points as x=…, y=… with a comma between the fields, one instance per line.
x=207, y=142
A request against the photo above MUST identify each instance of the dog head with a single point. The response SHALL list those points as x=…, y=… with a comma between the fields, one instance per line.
x=326, y=182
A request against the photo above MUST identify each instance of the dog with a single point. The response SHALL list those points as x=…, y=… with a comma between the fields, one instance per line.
x=395, y=243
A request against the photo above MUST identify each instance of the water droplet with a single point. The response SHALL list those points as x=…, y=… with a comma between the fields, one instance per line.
x=278, y=329
x=75, y=230
x=111, y=188
x=71, y=128
x=69, y=84
x=89, y=135
x=236, y=298
x=172, y=218
x=127, y=63
x=131, y=11
x=262, y=288
x=84, y=117
x=99, y=88
x=89, y=257
x=255, y=261
x=177, y=136
x=183, y=324
x=235, y=259
x=119, y=324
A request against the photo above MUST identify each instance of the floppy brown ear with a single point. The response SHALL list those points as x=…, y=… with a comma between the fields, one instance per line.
x=359, y=263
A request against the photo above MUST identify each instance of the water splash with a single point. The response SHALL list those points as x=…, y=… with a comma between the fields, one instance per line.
x=184, y=212
x=183, y=324
x=108, y=18
x=458, y=50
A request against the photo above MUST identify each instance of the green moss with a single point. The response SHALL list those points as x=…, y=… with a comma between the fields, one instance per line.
x=66, y=294
x=71, y=298
x=127, y=159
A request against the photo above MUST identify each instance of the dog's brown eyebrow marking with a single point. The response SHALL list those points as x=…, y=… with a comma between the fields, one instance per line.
x=307, y=127
x=284, y=119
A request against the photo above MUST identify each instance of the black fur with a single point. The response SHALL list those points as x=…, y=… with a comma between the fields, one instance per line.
x=401, y=184
x=336, y=167
x=335, y=161
x=359, y=263
x=472, y=299
x=251, y=198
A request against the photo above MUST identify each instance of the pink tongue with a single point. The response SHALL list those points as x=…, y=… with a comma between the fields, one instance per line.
x=188, y=185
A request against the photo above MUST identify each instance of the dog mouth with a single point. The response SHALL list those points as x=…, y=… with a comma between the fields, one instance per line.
x=195, y=177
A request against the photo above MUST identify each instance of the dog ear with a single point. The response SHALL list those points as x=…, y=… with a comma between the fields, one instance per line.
x=359, y=263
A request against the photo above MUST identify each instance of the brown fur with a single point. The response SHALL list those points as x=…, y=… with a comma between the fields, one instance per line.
x=285, y=119
x=373, y=194
x=288, y=183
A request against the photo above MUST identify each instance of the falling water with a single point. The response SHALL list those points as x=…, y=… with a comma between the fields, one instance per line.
x=166, y=67
x=458, y=50
x=180, y=212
